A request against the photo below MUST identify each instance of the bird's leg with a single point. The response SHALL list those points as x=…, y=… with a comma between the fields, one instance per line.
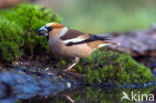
x=76, y=60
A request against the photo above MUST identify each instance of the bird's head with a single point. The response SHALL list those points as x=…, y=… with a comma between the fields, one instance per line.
x=44, y=30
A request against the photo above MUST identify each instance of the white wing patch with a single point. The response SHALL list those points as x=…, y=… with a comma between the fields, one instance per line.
x=74, y=40
x=102, y=45
x=111, y=43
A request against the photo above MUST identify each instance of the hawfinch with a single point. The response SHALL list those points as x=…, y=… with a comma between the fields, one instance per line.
x=70, y=43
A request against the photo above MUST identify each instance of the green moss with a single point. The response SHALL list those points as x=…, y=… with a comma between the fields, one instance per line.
x=18, y=26
x=10, y=41
x=114, y=68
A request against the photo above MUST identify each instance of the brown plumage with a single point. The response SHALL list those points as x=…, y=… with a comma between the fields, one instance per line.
x=71, y=34
x=95, y=44
x=70, y=43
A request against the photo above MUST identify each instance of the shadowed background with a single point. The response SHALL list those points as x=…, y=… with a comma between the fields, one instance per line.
x=99, y=16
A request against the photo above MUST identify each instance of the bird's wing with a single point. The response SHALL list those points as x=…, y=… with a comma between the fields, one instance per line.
x=73, y=37
x=72, y=34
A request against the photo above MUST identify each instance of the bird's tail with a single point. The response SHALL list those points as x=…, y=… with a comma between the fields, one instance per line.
x=104, y=38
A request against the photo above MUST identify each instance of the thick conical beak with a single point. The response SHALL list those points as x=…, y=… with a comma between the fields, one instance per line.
x=42, y=31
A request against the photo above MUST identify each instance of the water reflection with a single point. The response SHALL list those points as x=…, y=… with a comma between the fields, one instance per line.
x=92, y=95
x=97, y=95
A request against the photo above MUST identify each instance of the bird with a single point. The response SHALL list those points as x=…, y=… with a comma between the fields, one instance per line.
x=70, y=43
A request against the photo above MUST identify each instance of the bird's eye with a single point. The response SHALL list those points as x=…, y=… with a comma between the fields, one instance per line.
x=49, y=28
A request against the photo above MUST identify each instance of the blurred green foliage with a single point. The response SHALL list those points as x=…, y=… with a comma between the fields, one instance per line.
x=99, y=16
x=17, y=35
x=112, y=68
